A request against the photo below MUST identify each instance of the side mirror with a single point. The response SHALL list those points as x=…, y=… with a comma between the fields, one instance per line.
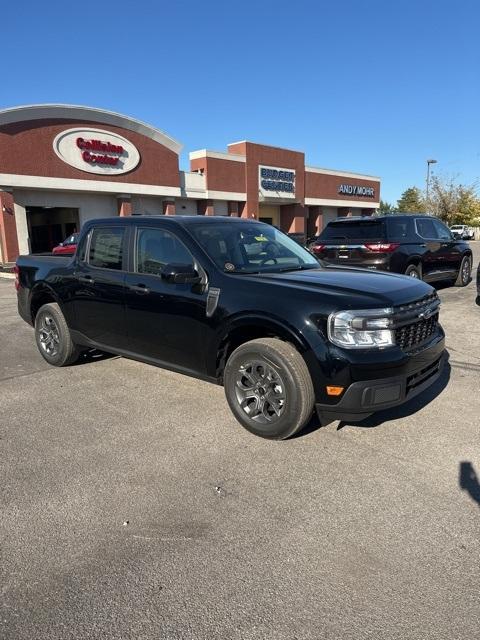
x=180, y=274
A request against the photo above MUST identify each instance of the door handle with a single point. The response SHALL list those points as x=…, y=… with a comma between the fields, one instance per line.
x=86, y=279
x=140, y=289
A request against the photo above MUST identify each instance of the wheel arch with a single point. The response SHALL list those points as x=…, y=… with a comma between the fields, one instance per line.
x=250, y=328
x=40, y=295
x=416, y=260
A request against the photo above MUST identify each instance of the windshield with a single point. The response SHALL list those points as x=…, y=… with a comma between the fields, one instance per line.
x=358, y=230
x=252, y=247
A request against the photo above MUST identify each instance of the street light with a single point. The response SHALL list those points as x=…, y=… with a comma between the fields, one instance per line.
x=429, y=162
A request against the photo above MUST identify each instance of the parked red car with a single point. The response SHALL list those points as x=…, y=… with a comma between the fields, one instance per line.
x=67, y=247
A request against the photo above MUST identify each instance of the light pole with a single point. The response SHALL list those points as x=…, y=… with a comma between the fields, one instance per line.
x=429, y=162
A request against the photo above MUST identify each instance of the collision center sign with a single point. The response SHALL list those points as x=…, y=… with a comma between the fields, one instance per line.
x=96, y=151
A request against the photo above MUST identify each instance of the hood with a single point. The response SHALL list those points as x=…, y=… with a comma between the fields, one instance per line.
x=377, y=289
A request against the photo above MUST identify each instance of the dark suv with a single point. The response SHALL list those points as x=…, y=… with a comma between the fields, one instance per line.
x=415, y=245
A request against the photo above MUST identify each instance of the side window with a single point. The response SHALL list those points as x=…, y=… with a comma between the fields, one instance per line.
x=106, y=248
x=399, y=228
x=442, y=231
x=426, y=229
x=156, y=248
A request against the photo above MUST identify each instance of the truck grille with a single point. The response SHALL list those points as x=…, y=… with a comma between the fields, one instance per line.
x=412, y=334
x=416, y=322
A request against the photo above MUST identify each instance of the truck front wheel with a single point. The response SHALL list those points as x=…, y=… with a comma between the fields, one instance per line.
x=53, y=336
x=268, y=388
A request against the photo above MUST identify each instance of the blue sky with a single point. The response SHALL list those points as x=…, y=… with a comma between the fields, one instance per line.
x=369, y=86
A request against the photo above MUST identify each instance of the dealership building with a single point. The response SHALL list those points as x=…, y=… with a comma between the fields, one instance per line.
x=61, y=165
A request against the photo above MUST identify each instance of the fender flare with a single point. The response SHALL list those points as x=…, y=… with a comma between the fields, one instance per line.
x=40, y=288
x=266, y=323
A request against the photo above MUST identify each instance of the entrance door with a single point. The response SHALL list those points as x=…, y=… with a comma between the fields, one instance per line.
x=269, y=214
x=48, y=226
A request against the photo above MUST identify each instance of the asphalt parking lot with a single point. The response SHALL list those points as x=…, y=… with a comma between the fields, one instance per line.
x=134, y=506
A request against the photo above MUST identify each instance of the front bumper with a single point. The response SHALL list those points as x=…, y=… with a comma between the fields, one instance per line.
x=361, y=399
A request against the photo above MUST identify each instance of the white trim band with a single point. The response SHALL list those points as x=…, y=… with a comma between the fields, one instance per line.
x=219, y=155
x=226, y=195
x=325, y=202
x=92, y=186
x=346, y=174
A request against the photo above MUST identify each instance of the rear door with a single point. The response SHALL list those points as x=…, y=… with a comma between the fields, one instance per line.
x=98, y=287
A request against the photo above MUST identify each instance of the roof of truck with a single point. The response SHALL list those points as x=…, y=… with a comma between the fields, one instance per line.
x=180, y=220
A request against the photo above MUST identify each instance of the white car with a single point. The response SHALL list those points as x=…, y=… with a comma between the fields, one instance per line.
x=462, y=231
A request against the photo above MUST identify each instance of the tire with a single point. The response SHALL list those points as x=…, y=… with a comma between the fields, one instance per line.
x=414, y=271
x=268, y=388
x=53, y=336
x=464, y=273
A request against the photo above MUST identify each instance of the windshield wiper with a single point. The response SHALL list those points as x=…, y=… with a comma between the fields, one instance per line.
x=301, y=267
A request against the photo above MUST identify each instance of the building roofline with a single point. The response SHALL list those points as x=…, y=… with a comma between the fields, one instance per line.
x=337, y=172
x=220, y=155
x=79, y=112
x=270, y=146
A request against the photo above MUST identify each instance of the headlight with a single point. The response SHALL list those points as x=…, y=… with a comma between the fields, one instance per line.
x=363, y=329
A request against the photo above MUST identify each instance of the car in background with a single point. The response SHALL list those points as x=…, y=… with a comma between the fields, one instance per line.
x=462, y=231
x=419, y=246
x=67, y=247
x=300, y=238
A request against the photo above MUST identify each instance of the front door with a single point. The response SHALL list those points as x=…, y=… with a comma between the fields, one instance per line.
x=434, y=259
x=451, y=248
x=166, y=322
x=98, y=288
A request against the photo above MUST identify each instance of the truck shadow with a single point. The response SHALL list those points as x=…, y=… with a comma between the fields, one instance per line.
x=468, y=481
x=92, y=355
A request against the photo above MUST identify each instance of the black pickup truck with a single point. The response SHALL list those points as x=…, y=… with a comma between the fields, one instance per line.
x=238, y=303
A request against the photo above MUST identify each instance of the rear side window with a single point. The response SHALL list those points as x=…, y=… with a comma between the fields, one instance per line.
x=426, y=228
x=157, y=248
x=106, y=248
x=358, y=230
x=399, y=228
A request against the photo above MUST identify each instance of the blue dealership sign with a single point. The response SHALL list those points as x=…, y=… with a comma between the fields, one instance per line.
x=276, y=182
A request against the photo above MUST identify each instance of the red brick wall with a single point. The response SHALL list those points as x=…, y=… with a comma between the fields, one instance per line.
x=221, y=175
x=26, y=148
x=258, y=154
x=323, y=185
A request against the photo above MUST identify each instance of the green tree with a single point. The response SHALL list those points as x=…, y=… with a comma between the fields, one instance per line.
x=454, y=203
x=385, y=207
x=411, y=201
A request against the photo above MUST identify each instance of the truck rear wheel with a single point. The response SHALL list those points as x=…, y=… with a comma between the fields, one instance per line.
x=268, y=388
x=53, y=336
